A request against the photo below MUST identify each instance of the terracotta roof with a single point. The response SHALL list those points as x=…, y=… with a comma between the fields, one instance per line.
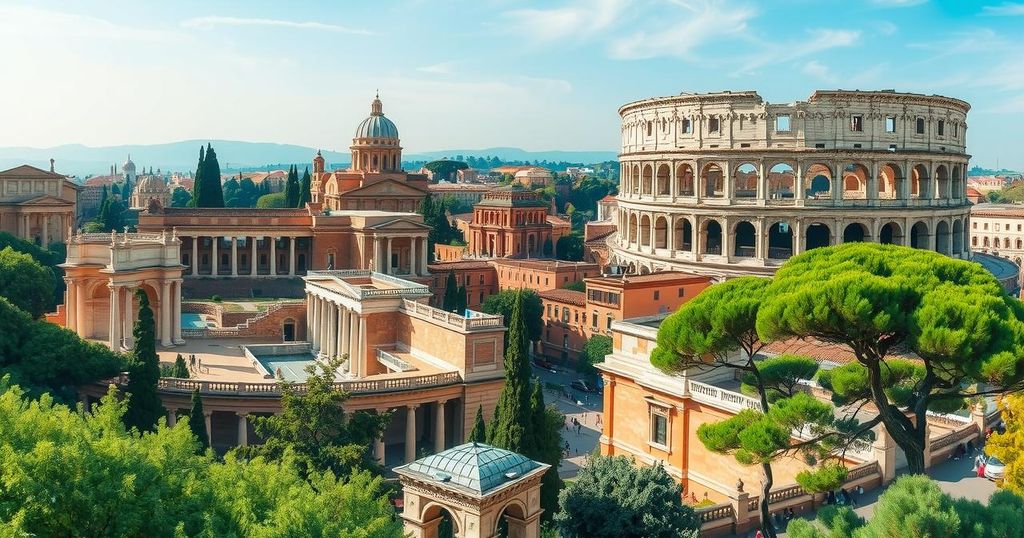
x=481, y=187
x=609, y=198
x=661, y=276
x=822, y=351
x=543, y=264
x=444, y=267
x=971, y=191
x=989, y=210
x=468, y=217
x=599, y=239
x=99, y=181
x=559, y=221
x=575, y=298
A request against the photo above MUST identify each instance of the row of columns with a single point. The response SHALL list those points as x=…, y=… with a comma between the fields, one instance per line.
x=215, y=259
x=336, y=330
x=382, y=249
x=64, y=221
x=121, y=312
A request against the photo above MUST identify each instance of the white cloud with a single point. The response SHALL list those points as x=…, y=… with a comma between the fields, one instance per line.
x=898, y=3
x=1005, y=9
x=578, y=19
x=818, y=71
x=820, y=40
x=35, y=23
x=441, y=68
x=704, y=21
x=206, y=23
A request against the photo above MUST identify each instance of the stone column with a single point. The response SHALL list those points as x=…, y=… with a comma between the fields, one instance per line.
x=253, y=265
x=71, y=306
x=234, y=256
x=172, y=418
x=387, y=258
x=410, y=433
x=46, y=229
x=361, y=347
x=291, y=256
x=439, y=427
x=273, y=256
x=884, y=451
x=375, y=265
x=325, y=326
x=195, y=255
x=243, y=429
x=346, y=335
x=339, y=330
x=80, y=299
x=423, y=257
x=309, y=315
x=176, y=317
x=311, y=323
x=378, y=450
x=209, y=425
x=129, y=341
x=413, y=260
x=115, y=318
x=213, y=255
x=165, y=313
x=332, y=336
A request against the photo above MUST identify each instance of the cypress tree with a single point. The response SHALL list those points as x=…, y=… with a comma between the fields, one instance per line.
x=210, y=189
x=291, y=188
x=144, y=405
x=197, y=420
x=460, y=300
x=512, y=426
x=197, y=181
x=547, y=436
x=451, y=289
x=180, y=370
x=479, y=432
x=304, y=195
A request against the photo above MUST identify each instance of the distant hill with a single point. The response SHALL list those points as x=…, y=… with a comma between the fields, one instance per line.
x=79, y=160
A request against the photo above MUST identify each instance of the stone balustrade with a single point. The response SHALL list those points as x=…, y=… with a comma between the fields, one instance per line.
x=363, y=386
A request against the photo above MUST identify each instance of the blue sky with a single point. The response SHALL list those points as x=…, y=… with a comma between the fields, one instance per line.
x=480, y=73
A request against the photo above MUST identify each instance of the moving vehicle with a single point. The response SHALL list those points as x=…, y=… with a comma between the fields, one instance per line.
x=994, y=468
x=581, y=385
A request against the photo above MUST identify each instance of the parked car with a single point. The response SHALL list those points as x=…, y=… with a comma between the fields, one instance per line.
x=994, y=468
x=541, y=363
x=581, y=385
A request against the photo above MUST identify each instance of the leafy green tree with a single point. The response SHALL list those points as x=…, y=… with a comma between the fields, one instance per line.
x=594, y=351
x=444, y=169
x=197, y=421
x=479, y=432
x=451, y=292
x=612, y=497
x=313, y=424
x=232, y=190
x=832, y=522
x=208, y=191
x=181, y=198
x=273, y=200
x=305, y=196
x=579, y=285
x=873, y=299
x=248, y=193
x=546, y=425
x=25, y=282
x=570, y=248
x=145, y=407
x=291, y=188
x=781, y=375
x=180, y=370
x=512, y=427
x=533, y=310
x=435, y=215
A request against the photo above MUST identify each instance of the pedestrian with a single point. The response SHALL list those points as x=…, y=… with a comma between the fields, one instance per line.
x=758, y=534
x=599, y=419
x=567, y=449
x=579, y=428
x=192, y=363
x=979, y=460
x=981, y=469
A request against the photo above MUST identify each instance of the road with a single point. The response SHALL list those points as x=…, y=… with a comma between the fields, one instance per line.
x=584, y=407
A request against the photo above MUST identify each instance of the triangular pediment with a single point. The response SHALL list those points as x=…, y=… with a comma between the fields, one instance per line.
x=47, y=201
x=387, y=187
x=398, y=224
x=28, y=172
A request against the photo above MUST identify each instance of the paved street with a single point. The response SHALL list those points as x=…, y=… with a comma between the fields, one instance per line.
x=584, y=407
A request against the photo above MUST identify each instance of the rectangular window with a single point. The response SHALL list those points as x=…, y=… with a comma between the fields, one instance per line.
x=594, y=320
x=941, y=128
x=986, y=225
x=974, y=225
x=657, y=295
x=956, y=130
x=890, y=124
x=687, y=126
x=713, y=125
x=659, y=429
x=609, y=321
x=565, y=315
x=682, y=291
x=857, y=123
x=782, y=123
x=549, y=310
x=920, y=126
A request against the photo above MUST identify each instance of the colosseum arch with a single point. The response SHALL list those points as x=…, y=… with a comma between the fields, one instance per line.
x=780, y=241
x=818, y=179
x=890, y=181
x=632, y=229
x=663, y=179
x=942, y=181
x=919, y=235
x=942, y=238
x=645, y=230
x=818, y=234
x=684, y=180
x=744, y=240
x=712, y=182
x=660, y=232
x=919, y=182
x=647, y=180
x=856, y=232
x=683, y=234
x=744, y=181
x=711, y=237
x=781, y=181
x=958, y=182
x=855, y=182
x=636, y=179
x=890, y=233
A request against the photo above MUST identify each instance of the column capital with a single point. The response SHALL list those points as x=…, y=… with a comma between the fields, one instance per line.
x=243, y=414
x=207, y=414
x=412, y=407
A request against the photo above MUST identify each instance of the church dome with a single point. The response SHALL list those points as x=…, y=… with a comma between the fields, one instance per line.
x=128, y=165
x=150, y=185
x=376, y=126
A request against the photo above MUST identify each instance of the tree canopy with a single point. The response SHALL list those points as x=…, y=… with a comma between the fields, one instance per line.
x=25, y=282
x=291, y=188
x=570, y=248
x=207, y=190
x=613, y=497
x=272, y=200
x=594, y=351
x=445, y=169
x=305, y=196
x=145, y=408
x=533, y=310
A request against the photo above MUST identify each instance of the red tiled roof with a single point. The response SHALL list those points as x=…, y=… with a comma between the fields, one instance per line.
x=543, y=264
x=599, y=239
x=608, y=198
x=575, y=298
x=989, y=211
x=468, y=217
x=971, y=191
x=443, y=267
x=557, y=221
x=662, y=276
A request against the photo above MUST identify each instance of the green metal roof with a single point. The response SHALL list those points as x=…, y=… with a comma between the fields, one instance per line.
x=474, y=466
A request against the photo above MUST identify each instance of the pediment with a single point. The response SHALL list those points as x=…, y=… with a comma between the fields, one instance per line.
x=387, y=187
x=28, y=172
x=398, y=224
x=46, y=201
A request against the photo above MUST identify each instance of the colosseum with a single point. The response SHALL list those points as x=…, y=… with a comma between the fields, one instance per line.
x=728, y=184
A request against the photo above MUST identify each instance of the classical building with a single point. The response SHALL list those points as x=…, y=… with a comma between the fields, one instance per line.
x=37, y=205
x=998, y=230
x=541, y=275
x=512, y=222
x=535, y=177
x=149, y=189
x=728, y=184
x=467, y=193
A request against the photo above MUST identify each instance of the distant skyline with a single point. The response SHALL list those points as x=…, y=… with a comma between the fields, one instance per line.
x=545, y=75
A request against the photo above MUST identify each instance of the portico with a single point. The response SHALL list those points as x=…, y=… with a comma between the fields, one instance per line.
x=36, y=205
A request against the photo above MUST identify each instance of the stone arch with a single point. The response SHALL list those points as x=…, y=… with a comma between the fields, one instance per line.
x=625, y=185
x=855, y=181
x=780, y=241
x=942, y=182
x=712, y=181
x=890, y=181
x=744, y=239
x=644, y=270
x=647, y=180
x=289, y=330
x=919, y=235
x=958, y=182
x=684, y=180
x=818, y=234
x=744, y=180
x=818, y=179
x=636, y=179
x=514, y=509
x=942, y=238
x=781, y=181
x=663, y=179
x=855, y=232
x=660, y=232
x=645, y=230
x=890, y=234
x=683, y=234
x=633, y=228
x=434, y=510
x=919, y=182
x=711, y=232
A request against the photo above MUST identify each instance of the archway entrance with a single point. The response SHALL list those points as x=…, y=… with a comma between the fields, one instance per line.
x=891, y=234
x=942, y=238
x=746, y=240
x=684, y=235
x=854, y=233
x=713, y=238
x=919, y=235
x=780, y=241
x=288, y=331
x=818, y=236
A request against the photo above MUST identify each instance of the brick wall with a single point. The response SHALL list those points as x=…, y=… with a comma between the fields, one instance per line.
x=448, y=253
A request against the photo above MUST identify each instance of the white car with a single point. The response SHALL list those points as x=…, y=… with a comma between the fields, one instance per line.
x=994, y=468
